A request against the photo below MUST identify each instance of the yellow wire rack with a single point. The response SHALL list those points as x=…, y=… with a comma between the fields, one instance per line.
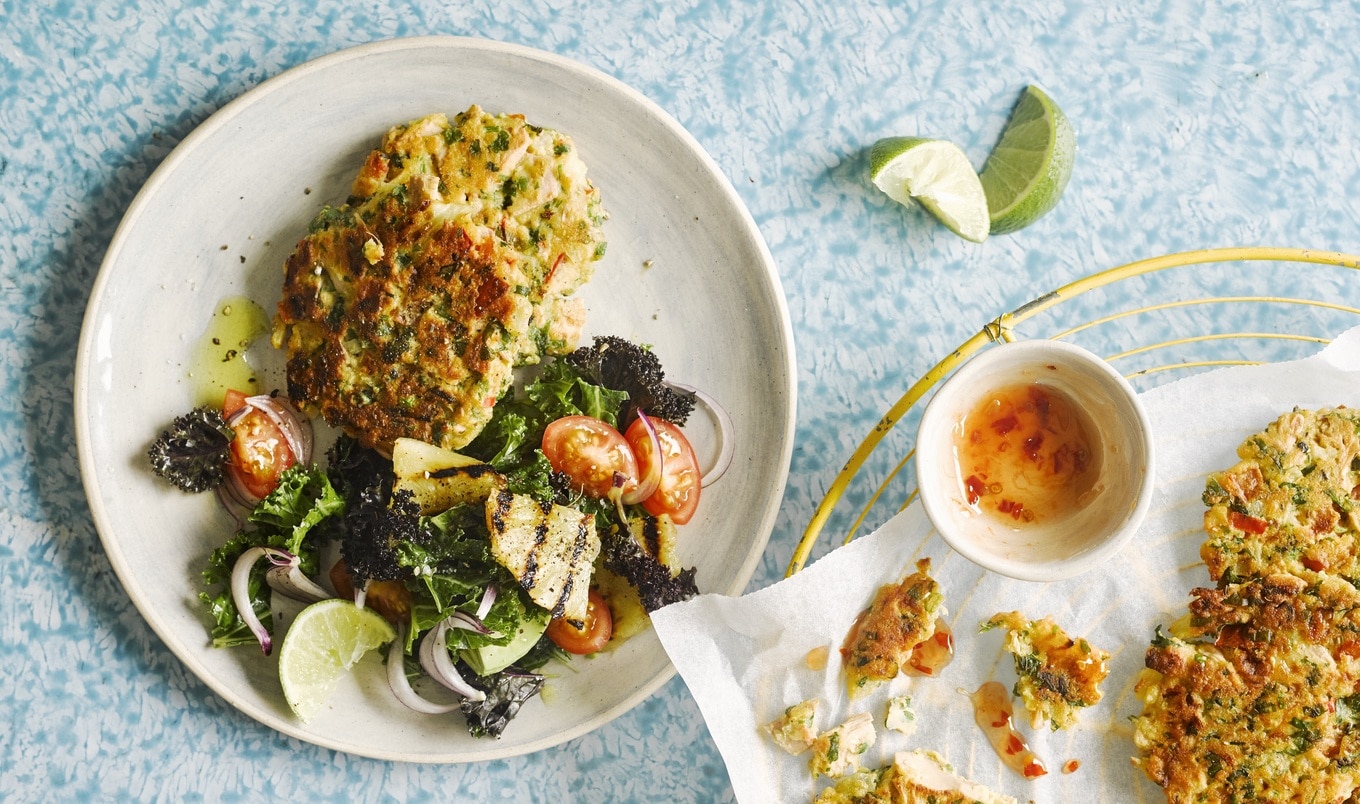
x=1003, y=329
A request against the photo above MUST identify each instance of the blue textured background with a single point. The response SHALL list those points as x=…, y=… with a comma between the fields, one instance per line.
x=1199, y=124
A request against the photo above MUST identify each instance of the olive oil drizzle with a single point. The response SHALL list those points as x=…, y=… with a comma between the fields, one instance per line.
x=219, y=357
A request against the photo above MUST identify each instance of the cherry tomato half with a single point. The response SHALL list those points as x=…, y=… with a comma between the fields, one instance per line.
x=391, y=599
x=678, y=494
x=593, y=634
x=259, y=450
x=590, y=452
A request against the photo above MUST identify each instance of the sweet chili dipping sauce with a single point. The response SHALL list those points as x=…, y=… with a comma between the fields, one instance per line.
x=930, y=657
x=994, y=713
x=1026, y=454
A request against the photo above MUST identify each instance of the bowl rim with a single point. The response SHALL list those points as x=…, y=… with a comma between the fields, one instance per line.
x=931, y=434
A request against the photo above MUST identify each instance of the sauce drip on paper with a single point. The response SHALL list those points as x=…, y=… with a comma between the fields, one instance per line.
x=994, y=713
x=930, y=657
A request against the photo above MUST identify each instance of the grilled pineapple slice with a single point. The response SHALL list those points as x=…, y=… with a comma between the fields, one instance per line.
x=439, y=478
x=656, y=535
x=550, y=549
x=413, y=457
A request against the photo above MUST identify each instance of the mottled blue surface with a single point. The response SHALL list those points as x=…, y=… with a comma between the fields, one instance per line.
x=1199, y=125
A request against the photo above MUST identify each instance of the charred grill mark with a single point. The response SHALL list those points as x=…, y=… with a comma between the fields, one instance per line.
x=578, y=548
x=530, y=578
x=501, y=509
x=561, y=607
x=583, y=530
x=475, y=470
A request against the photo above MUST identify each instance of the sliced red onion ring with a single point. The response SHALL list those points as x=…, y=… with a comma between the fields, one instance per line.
x=468, y=622
x=435, y=659
x=488, y=600
x=297, y=431
x=234, y=496
x=227, y=495
x=286, y=578
x=240, y=594
x=726, y=441
x=401, y=685
x=648, y=484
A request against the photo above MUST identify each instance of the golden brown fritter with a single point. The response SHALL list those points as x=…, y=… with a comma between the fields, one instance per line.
x=1255, y=693
x=1252, y=715
x=1292, y=504
x=454, y=260
x=1058, y=675
x=901, y=617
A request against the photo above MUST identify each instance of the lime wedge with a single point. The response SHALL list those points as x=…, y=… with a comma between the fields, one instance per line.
x=935, y=174
x=1027, y=171
x=323, y=643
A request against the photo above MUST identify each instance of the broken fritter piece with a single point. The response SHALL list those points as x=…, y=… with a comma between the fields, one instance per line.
x=439, y=479
x=914, y=777
x=866, y=786
x=840, y=751
x=795, y=730
x=900, y=717
x=925, y=778
x=901, y=617
x=1058, y=675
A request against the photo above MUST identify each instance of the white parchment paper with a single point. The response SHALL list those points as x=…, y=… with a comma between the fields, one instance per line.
x=744, y=658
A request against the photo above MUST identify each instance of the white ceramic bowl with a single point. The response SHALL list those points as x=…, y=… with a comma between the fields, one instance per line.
x=1120, y=441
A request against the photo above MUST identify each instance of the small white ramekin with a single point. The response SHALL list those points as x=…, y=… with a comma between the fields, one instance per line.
x=1061, y=547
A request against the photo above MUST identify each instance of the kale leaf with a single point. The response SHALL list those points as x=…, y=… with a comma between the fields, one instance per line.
x=653, y=580
x=563, y=390
x=505, y=692
x=621, y=365
x=192, y=452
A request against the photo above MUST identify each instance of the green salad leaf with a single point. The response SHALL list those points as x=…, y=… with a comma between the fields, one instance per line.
x=561, y=391
x=304, y=499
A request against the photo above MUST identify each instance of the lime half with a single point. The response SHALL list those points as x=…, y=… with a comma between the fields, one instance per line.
x=1027, y=171
x=935, y=174
x=323, y=643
